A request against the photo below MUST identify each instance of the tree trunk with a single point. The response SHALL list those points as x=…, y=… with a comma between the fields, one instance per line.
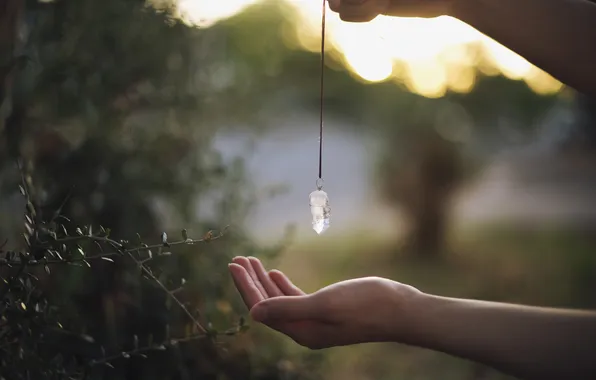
x=11, y=42
x=421, y=185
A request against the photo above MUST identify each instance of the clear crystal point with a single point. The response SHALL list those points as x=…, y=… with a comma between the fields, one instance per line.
x=320, y=210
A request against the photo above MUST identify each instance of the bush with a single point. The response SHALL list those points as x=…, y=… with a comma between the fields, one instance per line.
x=79, y=304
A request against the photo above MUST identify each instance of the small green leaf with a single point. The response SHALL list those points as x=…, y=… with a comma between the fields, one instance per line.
x=107, y=259
x=47, y=268
x=81, y=251
x=79, y=232
x=30, y=208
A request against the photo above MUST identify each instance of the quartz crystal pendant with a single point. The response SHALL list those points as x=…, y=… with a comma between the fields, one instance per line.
x=320, y=210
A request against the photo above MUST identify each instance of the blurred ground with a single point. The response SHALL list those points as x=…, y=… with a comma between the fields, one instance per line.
x=531, y=266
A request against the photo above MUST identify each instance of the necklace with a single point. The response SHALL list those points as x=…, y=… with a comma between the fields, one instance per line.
x=319, y=200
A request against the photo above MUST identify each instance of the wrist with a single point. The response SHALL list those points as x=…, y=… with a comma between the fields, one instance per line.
x=407, y=305
x=423, y=320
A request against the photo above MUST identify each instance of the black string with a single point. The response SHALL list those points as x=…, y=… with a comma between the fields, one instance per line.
x=322, y=90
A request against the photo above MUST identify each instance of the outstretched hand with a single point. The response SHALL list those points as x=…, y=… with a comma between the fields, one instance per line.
x=362, y=310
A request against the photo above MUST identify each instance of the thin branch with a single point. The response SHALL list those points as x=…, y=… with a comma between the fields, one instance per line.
x=120, y=251
x=115, y=244
x=169, y=293
x=141, y=350
x=10, y=283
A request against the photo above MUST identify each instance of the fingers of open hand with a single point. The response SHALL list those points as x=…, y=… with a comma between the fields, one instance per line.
x=284, y=284
x=270, y=287
x=255, y=285
x=288, y=309
x=247, y=265
x=249, y=292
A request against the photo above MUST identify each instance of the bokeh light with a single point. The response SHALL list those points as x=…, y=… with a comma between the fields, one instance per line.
x=436, y=53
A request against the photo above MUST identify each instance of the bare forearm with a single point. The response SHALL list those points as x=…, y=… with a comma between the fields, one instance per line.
x=529, y=342
x=558, y=36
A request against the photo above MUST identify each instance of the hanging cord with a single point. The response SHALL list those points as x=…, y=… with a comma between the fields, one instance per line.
x=322, y=91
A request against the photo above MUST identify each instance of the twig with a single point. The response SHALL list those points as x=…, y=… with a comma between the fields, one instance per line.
x=120, y=251
x=141, y=350
x=6, y=288
x=169, y=293
x=4, y=262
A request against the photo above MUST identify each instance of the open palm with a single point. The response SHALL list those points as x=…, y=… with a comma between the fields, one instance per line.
x=348, y=312
x=255, y=284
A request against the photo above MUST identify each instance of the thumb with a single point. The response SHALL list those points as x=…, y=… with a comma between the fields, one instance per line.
x=286, y=308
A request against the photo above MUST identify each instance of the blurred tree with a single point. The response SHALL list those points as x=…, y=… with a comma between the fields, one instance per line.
x=419, y=173
x=115, y=112
x=429, y=152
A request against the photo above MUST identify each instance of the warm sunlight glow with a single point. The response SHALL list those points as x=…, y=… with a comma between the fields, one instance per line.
x=205, y=13
x=427, y=78
x=511, y=65
x=436, y=54
x=542, y=83
x=371, y=64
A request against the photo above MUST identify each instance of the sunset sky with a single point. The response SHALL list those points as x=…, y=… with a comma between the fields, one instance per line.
x=429, y=56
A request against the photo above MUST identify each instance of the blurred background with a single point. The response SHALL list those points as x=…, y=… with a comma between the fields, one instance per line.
x=451, y=163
